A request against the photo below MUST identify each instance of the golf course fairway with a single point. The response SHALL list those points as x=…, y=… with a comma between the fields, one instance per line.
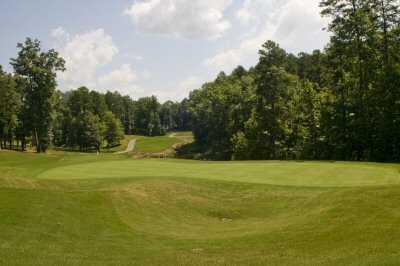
x=82, y=209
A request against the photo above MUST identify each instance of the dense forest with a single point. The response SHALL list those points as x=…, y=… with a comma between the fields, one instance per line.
x=342, y=103
x=33, y=112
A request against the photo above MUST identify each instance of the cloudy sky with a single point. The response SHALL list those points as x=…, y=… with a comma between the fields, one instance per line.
x=160, y=47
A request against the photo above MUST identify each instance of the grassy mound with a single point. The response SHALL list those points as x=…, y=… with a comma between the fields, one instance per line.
x=108, y=210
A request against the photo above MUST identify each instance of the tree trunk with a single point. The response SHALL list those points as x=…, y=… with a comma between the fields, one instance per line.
x=23, y=143
x=37, y=142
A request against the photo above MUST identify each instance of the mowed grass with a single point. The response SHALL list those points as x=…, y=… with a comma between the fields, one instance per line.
x=124, y=144
x=146, y=144
x=154, y=144
x=112, y=210
x=274, y=173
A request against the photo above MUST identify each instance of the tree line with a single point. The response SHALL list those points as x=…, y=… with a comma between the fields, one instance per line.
x=342, y=103
x=33, y=111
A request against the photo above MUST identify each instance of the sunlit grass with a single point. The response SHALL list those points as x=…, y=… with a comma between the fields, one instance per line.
x=84, y=209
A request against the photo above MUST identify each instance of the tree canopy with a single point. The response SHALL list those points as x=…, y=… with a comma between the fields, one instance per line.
x=33, y=111
x=341, y=103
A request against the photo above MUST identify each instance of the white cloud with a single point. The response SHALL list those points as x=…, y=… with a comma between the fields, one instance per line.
x=227, y=60
x=185, y=87
x=180, y=91
x=145, y=74
x=295, y=25
x=59, y=33
x=84, y=55
x=190, y=19
x=122, y=77
x=60, y=36
x=259, y=11
x=189, y=84
x=138, y=58
x=88, y=53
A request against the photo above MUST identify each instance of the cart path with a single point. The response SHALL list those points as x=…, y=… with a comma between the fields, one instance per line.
x=130, y=148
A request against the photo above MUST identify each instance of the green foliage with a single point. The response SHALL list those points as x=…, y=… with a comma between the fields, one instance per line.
x=91, y=132
x=218, y=111
x=10, y=105
x=342, y=103
x=117, y=115
x=33, y=111
x=147, y=117
x=123, y=107
x=169, y=115
x=360, y=58
x=80, y=101
x=113, y=130
x=39, y=69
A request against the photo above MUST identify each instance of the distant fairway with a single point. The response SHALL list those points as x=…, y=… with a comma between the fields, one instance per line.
x=146, y=144
x=71, y=209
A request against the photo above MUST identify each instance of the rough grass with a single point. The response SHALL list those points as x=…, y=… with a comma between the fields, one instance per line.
x=108, y=210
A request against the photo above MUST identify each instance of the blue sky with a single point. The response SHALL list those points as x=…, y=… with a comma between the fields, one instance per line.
x=161, y=47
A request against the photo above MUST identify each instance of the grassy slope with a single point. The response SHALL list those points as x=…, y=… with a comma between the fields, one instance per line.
x=123, y=146
x=107, y=210
x=151, y=144
x=154, y=144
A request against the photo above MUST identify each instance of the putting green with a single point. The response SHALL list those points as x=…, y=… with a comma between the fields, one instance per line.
x=314, y=174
